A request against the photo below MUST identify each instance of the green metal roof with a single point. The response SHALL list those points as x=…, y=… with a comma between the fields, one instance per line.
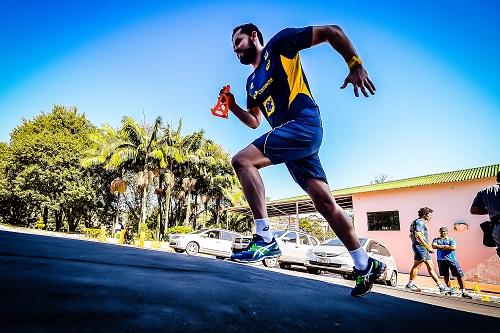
x=303, y=204
x=439, y=178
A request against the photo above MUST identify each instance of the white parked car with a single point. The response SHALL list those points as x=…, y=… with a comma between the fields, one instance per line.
x=294, y=246
x=332, y=256
x=216, y=242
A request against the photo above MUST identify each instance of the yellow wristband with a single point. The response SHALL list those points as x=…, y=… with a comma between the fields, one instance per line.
x=355, y=60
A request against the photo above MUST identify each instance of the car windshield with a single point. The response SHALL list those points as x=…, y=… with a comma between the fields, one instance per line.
x=278, y=233
x=337, y=242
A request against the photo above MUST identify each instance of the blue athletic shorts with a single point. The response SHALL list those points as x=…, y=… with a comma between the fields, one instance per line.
x=445, y=266
x=421, y=253
x=296, y=143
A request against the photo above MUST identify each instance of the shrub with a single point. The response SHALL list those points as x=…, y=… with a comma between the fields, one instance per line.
x=180, y=229
x=91, y=232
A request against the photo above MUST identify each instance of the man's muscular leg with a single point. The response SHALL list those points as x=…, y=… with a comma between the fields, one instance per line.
x=247, y=163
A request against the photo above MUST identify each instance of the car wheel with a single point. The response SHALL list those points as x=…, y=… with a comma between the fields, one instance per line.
x=192, y=248
x=270, y=262
x=284, y=265
x=220, y=257
x=178, y=250
x=347, y=276
x=313, y=270
x=393, y=281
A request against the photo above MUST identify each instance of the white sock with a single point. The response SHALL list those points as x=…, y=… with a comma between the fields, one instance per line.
x=360, y=258
x=263, y=229
x=410, y=283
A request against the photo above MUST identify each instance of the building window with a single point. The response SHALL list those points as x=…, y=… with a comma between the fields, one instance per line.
x=383, y=220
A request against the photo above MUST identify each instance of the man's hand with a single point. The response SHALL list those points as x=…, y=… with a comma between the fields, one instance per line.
x=358, y=77
x=229, y=97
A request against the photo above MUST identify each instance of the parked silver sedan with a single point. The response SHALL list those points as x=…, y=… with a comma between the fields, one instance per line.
x=294, y=246
x=333, y=256
x=216, y=242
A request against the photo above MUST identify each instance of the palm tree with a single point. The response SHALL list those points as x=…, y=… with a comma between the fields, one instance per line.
x=133, y=148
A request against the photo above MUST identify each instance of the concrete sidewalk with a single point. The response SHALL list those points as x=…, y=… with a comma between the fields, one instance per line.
x=426, y=282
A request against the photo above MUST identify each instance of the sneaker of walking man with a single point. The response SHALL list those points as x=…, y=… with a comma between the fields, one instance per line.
x=413, y=287
x=278, y=90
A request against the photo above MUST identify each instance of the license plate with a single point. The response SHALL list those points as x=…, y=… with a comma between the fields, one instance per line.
x=323, y=260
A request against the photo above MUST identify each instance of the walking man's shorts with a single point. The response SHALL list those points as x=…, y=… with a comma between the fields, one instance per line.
x=420, y=253
x=296, y=143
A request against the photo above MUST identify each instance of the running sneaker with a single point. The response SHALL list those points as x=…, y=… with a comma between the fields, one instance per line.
x=466, y=295
x=365, y=278
x=454, y=292
x=444, y=290
x=258, y=250
x=413, y=287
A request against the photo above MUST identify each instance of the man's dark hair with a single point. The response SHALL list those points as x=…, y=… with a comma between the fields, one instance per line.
x=424, y=211
x=498, y=176
x=247, y=29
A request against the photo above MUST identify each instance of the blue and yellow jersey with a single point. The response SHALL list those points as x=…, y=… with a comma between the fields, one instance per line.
x=278, y=86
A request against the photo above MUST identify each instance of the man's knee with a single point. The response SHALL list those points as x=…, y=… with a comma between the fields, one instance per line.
x=429, y=264
x=416, y=264
x=326, y=206
x=239, y=162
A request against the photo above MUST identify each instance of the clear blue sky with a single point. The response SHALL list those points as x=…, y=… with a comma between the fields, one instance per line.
x=434, y=63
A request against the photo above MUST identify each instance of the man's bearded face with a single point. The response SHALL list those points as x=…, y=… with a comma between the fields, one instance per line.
x=246, y=54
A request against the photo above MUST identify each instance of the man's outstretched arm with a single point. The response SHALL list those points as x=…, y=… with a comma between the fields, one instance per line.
x=357, y=76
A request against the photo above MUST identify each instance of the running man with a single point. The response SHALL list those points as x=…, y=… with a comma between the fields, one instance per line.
x=278, y=89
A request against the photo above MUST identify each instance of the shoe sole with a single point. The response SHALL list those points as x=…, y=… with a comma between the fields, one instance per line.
x=366, y=292
x=257, y=260
x=372, y=279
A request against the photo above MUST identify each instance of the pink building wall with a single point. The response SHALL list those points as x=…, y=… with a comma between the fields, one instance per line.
x=451, y=203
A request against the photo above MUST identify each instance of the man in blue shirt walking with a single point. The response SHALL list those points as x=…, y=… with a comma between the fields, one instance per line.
x=422, y=251
x=447, y=260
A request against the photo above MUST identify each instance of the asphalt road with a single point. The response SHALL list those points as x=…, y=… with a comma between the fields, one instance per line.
x=50, y=284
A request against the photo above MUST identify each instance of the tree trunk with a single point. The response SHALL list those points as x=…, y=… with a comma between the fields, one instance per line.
x=167, y=210
x=188, y=203
x=70, y=214
x=216, y=208
x=143, y=206
x=195, y=212
x=58, y=216
x=159, y=196
x=117, y=216
x=46, y=216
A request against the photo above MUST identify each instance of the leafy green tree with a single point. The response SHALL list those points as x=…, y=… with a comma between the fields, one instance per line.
x=311, y=225
x=44, y=167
